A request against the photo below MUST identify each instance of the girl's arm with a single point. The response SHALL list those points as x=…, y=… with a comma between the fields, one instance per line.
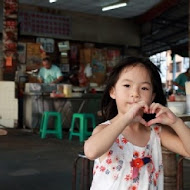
x=103, y=136
x=176, y=140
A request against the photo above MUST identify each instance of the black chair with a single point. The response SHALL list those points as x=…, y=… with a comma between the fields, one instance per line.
x=180, y=172
x=82, y=172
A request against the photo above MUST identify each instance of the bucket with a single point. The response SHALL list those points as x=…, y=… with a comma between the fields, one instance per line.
x=187, y=87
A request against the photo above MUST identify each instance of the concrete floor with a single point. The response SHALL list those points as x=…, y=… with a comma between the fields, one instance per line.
x=30, y=163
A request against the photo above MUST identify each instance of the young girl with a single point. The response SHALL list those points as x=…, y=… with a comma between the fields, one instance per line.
x=127, y=147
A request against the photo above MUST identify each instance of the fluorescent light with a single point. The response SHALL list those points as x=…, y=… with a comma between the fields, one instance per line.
x=52, y=1
x=114, y=6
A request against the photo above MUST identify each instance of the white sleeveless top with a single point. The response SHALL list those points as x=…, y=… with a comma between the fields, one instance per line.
x=130, y=167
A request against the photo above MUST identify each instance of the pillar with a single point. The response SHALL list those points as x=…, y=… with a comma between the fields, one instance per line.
x=10, y=38
x=189, y=32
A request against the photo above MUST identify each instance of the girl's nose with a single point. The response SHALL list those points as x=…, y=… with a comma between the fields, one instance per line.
x=135, y=93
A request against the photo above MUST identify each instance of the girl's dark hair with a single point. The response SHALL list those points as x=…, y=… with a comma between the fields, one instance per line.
x=109, y=107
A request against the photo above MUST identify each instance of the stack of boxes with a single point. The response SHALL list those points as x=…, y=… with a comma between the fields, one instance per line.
x=8, y=104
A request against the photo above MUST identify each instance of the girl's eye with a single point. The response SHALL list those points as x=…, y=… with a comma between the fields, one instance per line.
x=127, y=85
x=145, y=88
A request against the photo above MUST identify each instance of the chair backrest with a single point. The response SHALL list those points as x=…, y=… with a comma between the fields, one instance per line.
x=82, y=172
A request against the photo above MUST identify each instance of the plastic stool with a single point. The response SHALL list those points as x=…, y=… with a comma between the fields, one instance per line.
x=44, y=124
x=83, y=132
x=85, y=172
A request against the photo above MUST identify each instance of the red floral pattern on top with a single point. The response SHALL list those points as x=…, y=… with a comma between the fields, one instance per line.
x=125, y=162
x=110, y=153
x=102, y=168
x=138, y=163
x=124, y=140
x=117, y=140
x=136, y=154
x=108, y=161
x=157, y=129
x=133, y=187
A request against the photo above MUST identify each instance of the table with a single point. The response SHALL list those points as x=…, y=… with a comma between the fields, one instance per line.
x=36, y=103
x=185, y=117
x=84, y=99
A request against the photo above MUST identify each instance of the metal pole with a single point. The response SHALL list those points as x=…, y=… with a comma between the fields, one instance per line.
x=173, y=70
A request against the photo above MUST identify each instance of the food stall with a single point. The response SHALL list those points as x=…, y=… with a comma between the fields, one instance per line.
x=37, y=99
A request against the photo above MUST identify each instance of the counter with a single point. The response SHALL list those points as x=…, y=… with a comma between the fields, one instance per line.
x=36, y=103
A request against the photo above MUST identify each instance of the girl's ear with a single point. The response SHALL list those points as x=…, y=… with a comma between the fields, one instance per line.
x=153, y=96
x=112, y=93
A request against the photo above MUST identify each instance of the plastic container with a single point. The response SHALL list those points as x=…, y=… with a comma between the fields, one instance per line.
x=67, y=90
x=188, y=103
x=177, y=108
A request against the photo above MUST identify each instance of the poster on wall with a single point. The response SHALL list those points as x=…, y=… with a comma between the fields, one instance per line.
x=34, y=55
x=47, y=44
x=113, y=58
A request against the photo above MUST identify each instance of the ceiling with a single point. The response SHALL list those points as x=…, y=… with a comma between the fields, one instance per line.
x=169, y=30
x=166, y=21
x=133, y=8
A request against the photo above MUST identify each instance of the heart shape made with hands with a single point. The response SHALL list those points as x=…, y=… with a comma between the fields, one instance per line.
x=162, y=115
x=151, y=114
x=147, y=118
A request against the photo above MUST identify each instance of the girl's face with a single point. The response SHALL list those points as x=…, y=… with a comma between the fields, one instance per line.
x=134, y=85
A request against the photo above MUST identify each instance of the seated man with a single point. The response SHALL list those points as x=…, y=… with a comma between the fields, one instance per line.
x=49, y=73
x=181, y=80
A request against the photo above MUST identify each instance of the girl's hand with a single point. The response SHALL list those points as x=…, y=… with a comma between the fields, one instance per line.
x=163, y=115
x=136, y=111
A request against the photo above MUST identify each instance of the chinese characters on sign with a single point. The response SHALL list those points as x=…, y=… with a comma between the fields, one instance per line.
x=49, y=25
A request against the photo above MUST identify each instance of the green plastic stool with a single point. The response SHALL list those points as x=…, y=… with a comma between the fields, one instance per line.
x=83, y=132
x=44, y=124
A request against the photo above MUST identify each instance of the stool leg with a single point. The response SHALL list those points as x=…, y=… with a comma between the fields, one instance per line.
x=72, y=128
x=41, y=124
x=59, y=127
x=86, y=128
x=44, y=127
x=93, y=122
x=82, y=124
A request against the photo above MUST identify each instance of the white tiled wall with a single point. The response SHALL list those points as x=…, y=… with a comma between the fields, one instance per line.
x=8, y=104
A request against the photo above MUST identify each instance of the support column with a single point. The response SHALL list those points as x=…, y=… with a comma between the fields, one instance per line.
x=173, y=69
x=189, y=33
x=10, y=38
